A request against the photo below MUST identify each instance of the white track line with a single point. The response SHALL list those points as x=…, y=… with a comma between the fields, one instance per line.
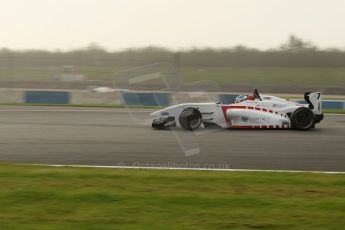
x=187, y=169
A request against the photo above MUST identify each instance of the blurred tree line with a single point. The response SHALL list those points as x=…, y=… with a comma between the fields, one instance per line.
x=293, y=53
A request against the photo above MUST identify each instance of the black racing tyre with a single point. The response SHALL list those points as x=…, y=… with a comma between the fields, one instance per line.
x=302, y=119
x=190, y=118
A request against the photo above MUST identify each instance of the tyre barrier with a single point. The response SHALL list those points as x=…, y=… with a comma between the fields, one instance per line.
x=125, y=98
x=47, y=97
x=328, y=104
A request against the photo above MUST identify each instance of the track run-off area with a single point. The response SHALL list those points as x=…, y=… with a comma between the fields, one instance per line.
x=124, y=137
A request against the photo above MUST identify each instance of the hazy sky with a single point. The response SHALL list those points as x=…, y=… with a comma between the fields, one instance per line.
x=117, y=24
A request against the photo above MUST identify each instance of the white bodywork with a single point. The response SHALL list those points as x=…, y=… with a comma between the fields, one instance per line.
x=266, y=112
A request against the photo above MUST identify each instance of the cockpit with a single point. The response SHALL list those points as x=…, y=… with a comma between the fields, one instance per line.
x=255, y=96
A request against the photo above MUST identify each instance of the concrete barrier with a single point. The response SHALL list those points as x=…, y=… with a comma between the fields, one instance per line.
x=81, y=97
x=195, y=97
x=145, y=99
x=11, y=95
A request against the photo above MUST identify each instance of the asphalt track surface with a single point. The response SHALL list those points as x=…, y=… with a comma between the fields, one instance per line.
x=121, y=137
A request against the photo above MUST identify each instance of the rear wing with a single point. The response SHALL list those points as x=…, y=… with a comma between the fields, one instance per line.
x=314, y=101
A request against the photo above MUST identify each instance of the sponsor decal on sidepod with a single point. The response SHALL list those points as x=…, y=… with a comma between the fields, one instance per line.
x=255, y=119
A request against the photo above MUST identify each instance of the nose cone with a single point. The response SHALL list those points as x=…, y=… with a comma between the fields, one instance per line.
x=158, y=113
x=161, y=113
x=174, y=110
x=155, y=114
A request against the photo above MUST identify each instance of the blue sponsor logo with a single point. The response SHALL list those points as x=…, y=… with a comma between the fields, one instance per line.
x=245, y=119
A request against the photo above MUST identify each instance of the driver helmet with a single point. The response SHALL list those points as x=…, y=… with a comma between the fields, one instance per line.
x=240, y=98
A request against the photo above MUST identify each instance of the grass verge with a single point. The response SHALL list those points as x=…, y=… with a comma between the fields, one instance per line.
x=37, y=197
x=338, y=111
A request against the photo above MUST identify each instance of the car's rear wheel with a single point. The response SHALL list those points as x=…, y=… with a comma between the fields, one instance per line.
x=302, y=119
x=190, y=118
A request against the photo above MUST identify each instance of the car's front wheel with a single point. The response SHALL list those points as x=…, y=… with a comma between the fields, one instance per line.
x=190, y=118
x=302, y=119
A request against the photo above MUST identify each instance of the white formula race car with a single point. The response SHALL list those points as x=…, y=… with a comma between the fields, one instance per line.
x=248, y=112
